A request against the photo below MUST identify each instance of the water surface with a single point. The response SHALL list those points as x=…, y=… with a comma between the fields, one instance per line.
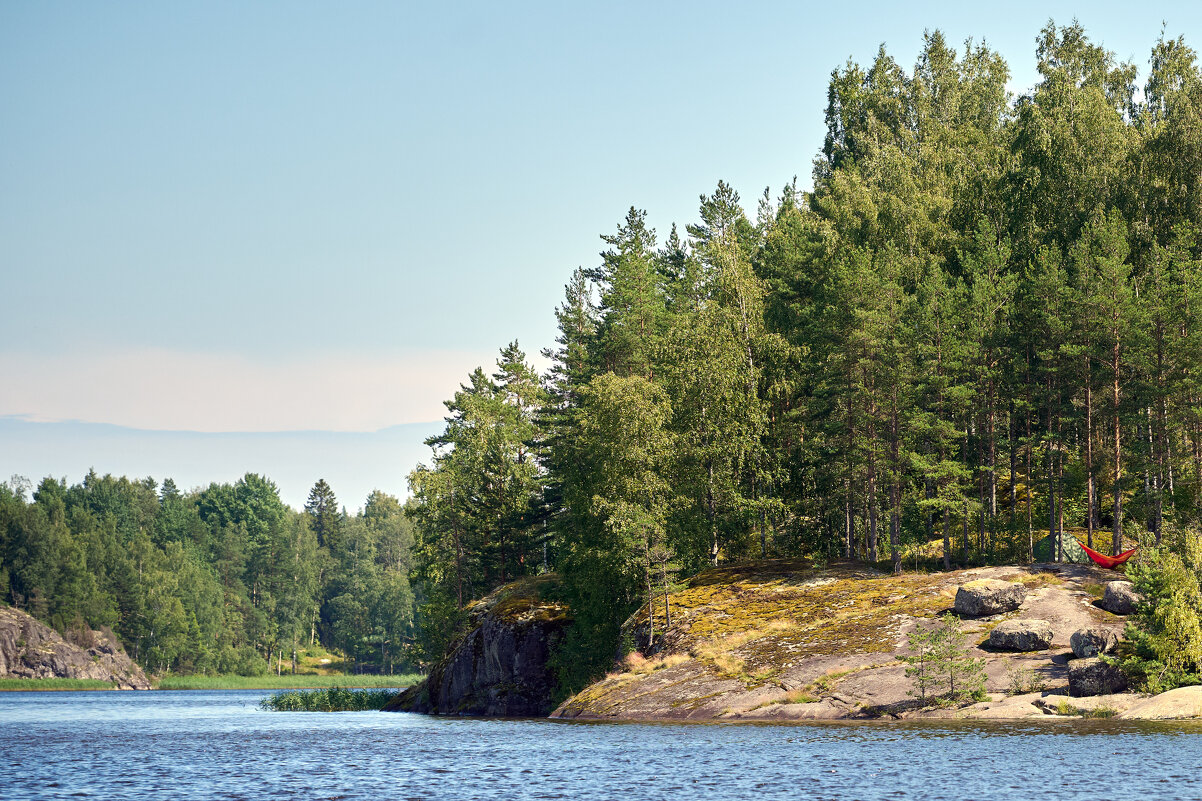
x=219, y=745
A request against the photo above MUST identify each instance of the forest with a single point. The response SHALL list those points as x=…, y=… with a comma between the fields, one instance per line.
x=225, y=579
x=980, y=327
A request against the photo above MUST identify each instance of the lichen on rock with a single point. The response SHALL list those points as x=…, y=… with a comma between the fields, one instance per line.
x=989, y=597
x=1028, y=634
x=1094, y=677
x=1092, y=641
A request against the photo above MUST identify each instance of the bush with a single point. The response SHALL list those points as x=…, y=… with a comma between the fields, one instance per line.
x=1163, y=647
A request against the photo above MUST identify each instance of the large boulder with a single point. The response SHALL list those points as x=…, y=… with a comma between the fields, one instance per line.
x=30, y=649
x=498, y=665
x=1030, y=634
x=1094, y=677
x=1091, y=642
x=1120, y=598
x=989, y=597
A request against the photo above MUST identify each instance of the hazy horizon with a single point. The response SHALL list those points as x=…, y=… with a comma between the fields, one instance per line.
x=352, y=463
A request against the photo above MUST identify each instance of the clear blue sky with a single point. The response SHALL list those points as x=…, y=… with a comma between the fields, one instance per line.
x=311, y=216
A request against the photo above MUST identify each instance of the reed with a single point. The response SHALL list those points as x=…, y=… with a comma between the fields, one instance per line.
x=332, y=699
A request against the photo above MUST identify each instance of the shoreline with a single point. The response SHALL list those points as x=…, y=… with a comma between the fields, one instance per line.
x=190, y=683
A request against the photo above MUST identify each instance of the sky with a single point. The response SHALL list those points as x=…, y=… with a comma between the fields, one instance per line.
x=274, y=237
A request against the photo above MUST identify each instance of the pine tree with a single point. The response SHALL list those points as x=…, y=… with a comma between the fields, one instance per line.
x=324, y=519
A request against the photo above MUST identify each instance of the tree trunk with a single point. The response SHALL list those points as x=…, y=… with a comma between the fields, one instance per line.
x=873, y=511
x=1010, y=437
x=947, y=539
x=1089, y=488
x=895, y=487
x=712, y=512
x=992, y=465
x=849, y=545
x=1051, y=482
x=650, y=612
x=1118, y=454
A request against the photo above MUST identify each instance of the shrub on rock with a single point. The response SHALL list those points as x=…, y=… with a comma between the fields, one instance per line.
x=989, y=597
x=1022, y=635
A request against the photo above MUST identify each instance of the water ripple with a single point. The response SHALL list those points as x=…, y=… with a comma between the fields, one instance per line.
x=219, y=745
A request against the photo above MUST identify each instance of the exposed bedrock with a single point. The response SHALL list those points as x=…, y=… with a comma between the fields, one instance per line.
x=30, y=649
x=499, y=665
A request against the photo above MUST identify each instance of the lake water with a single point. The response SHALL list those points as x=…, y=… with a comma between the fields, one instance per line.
x=219, y=745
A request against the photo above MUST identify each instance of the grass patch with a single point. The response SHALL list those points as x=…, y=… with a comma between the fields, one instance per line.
x=333, y=699
x=8, y=684
x=1035, y=580
x=827, y=681
x=638, y=664
x=287, y=681
x=1066, y=709
x=729, y=665
x=794, y=697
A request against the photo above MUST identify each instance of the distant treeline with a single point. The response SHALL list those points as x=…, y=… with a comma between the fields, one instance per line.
x=983, y=323
x=222, y=580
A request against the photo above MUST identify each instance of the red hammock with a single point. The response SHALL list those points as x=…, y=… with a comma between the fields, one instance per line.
x=1108, y=562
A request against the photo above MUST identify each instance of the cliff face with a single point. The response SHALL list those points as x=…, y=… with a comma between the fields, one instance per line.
x=30, y=649
x=498, y=667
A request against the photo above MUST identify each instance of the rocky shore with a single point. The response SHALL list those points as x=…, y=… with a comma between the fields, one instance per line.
x=786, y=641
x=30, y=649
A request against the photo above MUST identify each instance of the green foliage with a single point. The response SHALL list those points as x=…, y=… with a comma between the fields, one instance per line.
x=477, y=508
x=940, y=664
x=1025, y=680
x=1163, y=640
x=979, y=324
x=219, y=581
x=271, y=681
x=322, y=508
x=334, y=699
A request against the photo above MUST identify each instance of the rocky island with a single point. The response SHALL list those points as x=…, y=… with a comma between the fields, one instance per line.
x=788, y=640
